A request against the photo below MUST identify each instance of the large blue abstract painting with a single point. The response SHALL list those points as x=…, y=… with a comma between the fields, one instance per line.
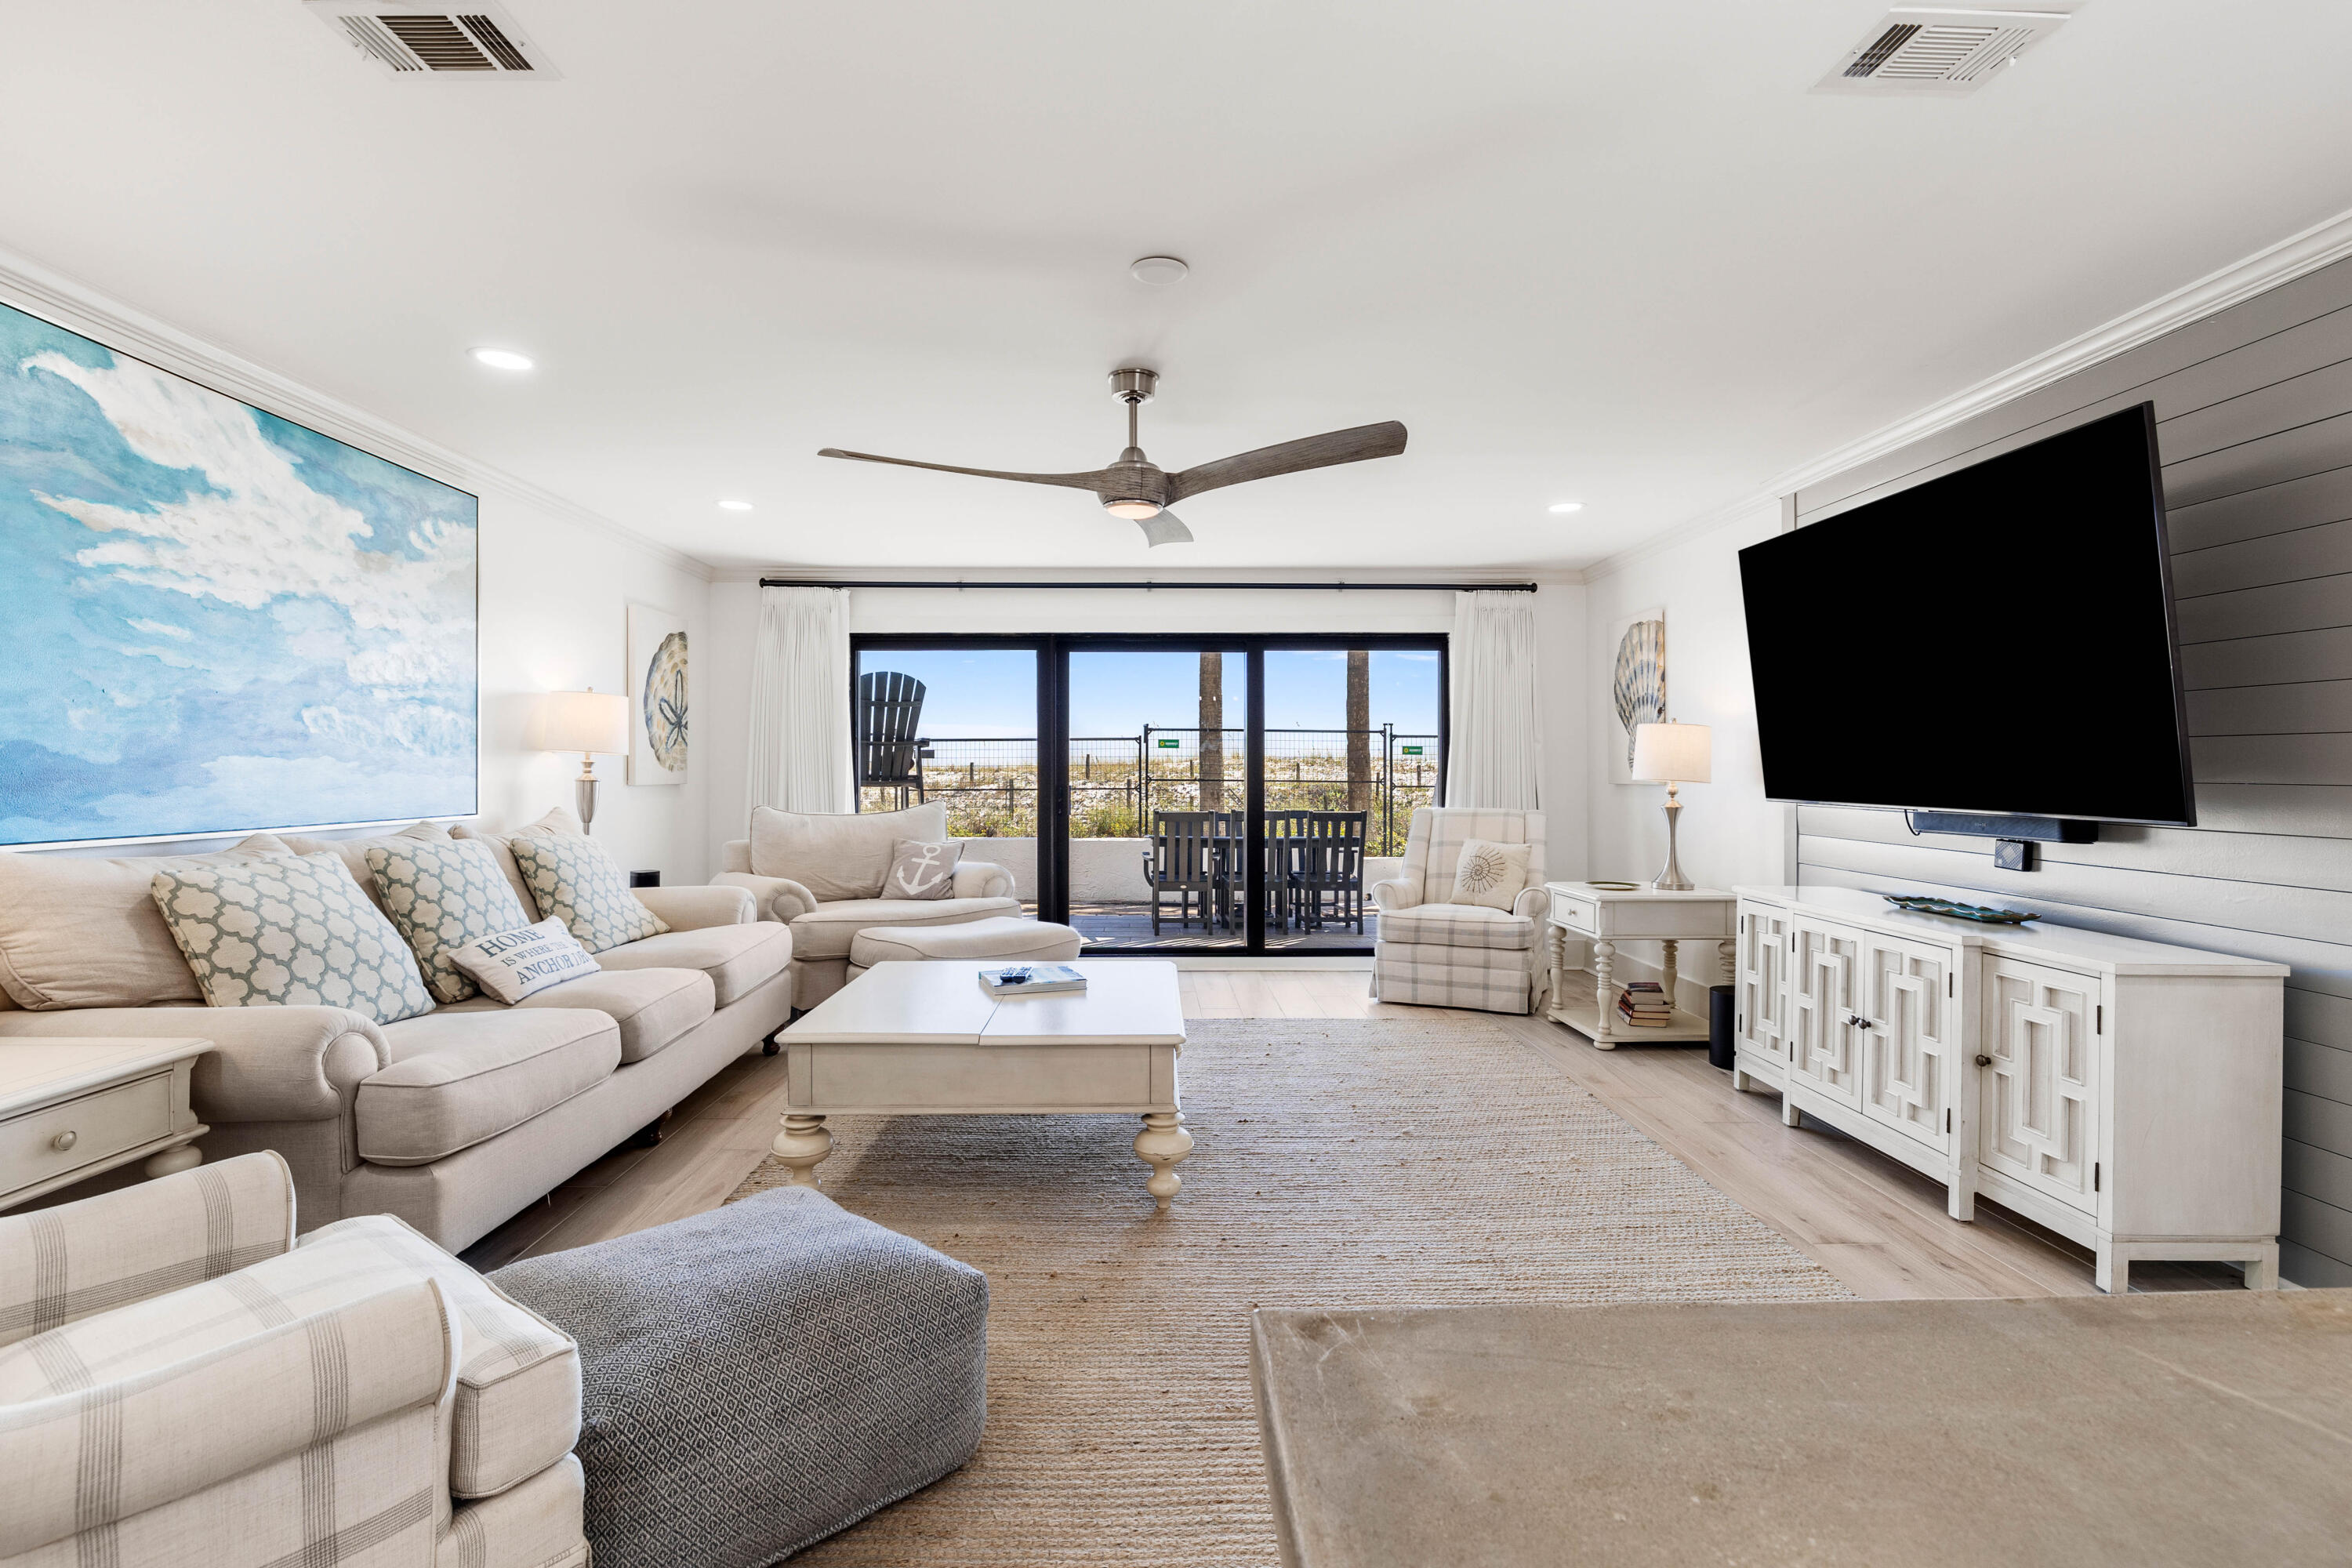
x=213, y=620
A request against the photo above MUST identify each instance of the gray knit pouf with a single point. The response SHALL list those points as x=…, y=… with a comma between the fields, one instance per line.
x=759, y=1376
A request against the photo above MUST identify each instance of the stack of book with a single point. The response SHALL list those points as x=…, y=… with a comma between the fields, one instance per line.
x=1034, y=980
x=1644, y=1005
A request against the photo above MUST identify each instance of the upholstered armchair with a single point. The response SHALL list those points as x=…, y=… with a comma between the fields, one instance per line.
x=1439, y=954
x=821, y=875
x=182, y=1381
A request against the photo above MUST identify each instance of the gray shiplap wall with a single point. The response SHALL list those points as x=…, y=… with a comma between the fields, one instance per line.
x=2255, y=423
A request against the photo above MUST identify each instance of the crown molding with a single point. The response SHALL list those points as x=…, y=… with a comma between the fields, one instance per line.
x=1308, y=577
x=70, y=303
x=2321, y=245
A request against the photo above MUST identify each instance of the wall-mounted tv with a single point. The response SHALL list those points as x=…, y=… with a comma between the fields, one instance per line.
x=1997, y=640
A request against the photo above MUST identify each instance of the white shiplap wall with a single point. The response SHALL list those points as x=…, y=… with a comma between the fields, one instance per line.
x=2255, y=422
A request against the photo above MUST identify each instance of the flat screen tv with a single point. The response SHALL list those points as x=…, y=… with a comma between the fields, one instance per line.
x=1998, y=639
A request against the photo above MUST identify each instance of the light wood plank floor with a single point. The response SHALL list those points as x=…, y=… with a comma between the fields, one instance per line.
x=1877, y=1225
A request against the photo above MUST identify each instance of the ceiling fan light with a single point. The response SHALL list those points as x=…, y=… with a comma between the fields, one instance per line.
x=1135, y=511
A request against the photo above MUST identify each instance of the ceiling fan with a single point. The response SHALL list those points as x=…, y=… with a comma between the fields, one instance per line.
x=1141, y=490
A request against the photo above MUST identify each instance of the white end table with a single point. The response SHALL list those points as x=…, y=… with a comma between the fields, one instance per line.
x=71, y=1108
x=1607, y=916
x=920, y=1039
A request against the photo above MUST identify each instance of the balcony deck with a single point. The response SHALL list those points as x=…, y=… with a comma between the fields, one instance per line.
x=1111, y=927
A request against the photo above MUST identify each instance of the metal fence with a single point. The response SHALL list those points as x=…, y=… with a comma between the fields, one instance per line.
x=988, y=783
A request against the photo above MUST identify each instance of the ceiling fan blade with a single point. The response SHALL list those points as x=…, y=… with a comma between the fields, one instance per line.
x=1094, y=481
x=1383, y=441
x=1165, y=529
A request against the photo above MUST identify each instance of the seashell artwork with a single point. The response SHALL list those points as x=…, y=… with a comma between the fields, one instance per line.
x=1639, y=685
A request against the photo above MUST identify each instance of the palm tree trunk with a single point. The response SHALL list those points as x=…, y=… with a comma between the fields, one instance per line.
x=1213, y=731
x=1359, y=726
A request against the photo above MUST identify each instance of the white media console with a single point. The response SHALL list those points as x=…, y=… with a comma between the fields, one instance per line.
x=2127, y=1094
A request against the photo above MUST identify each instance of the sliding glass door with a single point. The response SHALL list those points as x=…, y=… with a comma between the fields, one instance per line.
x=1235, y=793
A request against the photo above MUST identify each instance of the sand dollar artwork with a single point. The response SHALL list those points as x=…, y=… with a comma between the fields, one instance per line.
x=665, y=704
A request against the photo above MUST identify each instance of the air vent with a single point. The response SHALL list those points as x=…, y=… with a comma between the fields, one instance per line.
x=1920, y=48
x=411, y=41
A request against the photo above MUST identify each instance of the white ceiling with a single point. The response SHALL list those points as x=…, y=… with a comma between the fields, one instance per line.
x=1614, y=253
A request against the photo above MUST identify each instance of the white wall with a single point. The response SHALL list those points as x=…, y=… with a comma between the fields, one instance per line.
x=723, y=714
x=1730, y=833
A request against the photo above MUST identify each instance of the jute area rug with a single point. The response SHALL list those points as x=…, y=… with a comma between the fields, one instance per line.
x=1340, y=1162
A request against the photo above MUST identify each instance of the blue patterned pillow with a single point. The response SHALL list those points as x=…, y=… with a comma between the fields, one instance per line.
x=573, y=881
x=441, y=897
x=288, y=931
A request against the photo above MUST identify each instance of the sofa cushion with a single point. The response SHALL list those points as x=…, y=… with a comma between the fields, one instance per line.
x=738, y=959
x=290, y=932
x=1000, y=936
x=440, y=896
x=82, y=932
x=353, y=852
x=573, y=881
x=1458, y=925
x=826, y=930
x=838, y=854
x=652, y=1007
x=460, y=1076
x=516, y=1404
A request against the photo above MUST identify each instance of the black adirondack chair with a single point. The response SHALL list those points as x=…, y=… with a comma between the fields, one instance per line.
x=889, y=753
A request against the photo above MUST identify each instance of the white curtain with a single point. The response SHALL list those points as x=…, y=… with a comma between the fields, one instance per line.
x=800, y=702
x=1494, y=747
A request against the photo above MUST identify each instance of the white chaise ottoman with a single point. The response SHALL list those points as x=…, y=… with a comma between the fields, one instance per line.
x=1008, y=937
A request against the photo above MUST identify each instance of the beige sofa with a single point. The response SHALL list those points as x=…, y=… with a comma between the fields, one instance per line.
x=821, y=875
x=182, y=1382
x=452, y=1120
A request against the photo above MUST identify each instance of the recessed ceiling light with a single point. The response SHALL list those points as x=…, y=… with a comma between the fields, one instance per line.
x=1162, y=270
x=734, y=506
x=1564, y=507
x=502, y=359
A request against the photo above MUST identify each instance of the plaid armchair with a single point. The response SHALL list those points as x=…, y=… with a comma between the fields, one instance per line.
x=182, y=1383
x=1442, y=954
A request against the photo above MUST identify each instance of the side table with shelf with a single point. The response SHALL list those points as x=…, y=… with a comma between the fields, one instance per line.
x=74, y=1107
x=1607, y=916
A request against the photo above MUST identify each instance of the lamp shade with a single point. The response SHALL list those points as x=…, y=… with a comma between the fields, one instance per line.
x=585, y=721
x=1672, y=753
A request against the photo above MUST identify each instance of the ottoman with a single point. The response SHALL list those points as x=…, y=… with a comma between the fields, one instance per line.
x=1008, y=937
x=756, y=1378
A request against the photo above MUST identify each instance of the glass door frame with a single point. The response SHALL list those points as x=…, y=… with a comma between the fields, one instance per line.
x=1053, y=727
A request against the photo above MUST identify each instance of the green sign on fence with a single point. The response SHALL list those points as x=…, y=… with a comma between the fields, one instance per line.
x=1168, y=743
x=1412, y=751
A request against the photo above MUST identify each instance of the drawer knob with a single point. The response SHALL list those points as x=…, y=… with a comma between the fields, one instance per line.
x=65, y=1140
x=1984, y=1061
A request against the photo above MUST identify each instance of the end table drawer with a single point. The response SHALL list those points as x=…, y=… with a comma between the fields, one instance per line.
x=90, y=1129
x=1575, y=913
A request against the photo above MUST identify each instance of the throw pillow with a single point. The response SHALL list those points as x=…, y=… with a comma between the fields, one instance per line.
x=441, y=897
x=509, y=965
x=841, y=854
x=288, y=931
x=573, y=881
x=1490, y=873
x=920, y=870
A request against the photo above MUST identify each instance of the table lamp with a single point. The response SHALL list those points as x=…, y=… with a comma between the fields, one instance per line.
x=587, y=722
x=1672, y=754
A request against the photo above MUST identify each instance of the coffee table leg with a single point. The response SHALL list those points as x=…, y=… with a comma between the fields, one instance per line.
x=804, y=1140
x=1161, y=1143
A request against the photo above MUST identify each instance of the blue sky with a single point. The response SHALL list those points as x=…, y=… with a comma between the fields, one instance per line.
x=993, y=691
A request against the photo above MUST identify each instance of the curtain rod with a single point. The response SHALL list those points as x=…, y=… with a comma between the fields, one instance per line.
x=1310, y=588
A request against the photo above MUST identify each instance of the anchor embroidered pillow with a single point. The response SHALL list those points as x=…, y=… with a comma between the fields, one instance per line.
x=921, y=870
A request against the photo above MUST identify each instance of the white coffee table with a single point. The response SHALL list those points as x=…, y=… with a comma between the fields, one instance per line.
x=920, y=1039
